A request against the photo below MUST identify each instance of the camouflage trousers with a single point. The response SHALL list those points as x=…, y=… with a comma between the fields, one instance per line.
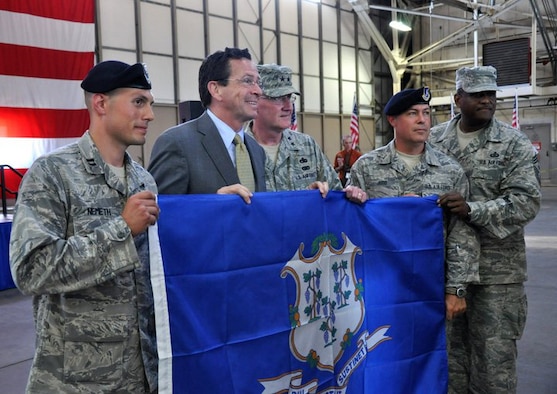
x=482, y=342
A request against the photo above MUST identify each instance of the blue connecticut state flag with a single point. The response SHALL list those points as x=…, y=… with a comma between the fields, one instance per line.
x=294, y=293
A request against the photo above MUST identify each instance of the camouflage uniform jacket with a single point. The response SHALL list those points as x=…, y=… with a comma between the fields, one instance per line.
x=92, y=300
x=381, y=173
x=300, y=162
x=504, y=194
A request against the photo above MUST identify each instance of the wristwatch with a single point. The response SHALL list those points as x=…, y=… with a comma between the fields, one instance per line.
x=460, y=292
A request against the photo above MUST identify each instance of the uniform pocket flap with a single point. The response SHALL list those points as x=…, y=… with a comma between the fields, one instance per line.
x=112, y=329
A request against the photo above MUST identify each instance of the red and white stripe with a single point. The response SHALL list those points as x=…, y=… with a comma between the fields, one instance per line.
x=46, y=49
x=515, y=122
x=354, y=126
x=293, y=119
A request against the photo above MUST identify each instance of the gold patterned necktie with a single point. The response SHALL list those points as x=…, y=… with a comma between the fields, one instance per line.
x=243, y=164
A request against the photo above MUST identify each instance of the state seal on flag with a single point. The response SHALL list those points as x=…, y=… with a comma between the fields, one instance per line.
x=326, y=286
x=326, y=317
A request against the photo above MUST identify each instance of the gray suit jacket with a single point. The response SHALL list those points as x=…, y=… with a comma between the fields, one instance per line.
x=191, y=159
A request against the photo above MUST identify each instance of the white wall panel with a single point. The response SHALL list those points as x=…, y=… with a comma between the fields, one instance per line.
x=348, y=91
x=288, y=16
x=190, y=34
x=123, y=56
x=364, y=39
x=312, y=101
x=329, y=16
x=365, y=66
x=156, y=31
x=348, y=60
x=330, y=60
x=310, y=20
x=162, y=77
x=248, y=37
x=330, y=96
x=188, y=71
x=269, y=47
x=347, y=28
x=117, y=23
x=220, y=7
x=190, y=4
x=248, y=11
x=311, y=56
x=221, y=34
x=289, y=52
x=296, y=83
x=269, y=14
x=366, y=99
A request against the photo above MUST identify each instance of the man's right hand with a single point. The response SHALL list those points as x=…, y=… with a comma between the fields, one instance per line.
x=141, y=211
x=454, y=306
x=323, y=187
x=238, y=189
x=455, y=203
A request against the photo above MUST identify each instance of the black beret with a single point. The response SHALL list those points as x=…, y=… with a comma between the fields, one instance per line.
x=112, y=74
x=406, y=98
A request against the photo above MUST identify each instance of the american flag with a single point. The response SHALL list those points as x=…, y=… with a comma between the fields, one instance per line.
x=293, y=120
x=515, y=122
x=46, y=49
x=354, y=126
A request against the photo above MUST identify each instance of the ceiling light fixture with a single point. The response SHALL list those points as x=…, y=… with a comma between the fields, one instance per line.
x=399, y=25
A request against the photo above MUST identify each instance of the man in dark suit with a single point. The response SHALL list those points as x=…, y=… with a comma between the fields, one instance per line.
x=199, y=156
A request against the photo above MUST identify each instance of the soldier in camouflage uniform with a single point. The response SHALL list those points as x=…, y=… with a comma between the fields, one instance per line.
x=504, y=197
x=79, y=246
x=409, y=166
x=294, y=160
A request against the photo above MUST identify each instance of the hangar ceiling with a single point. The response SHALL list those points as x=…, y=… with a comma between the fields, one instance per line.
x=444, y=33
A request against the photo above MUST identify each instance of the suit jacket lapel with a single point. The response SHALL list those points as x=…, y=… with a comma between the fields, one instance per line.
x=212, y=142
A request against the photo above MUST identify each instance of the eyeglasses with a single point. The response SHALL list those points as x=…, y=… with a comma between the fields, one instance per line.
x=282, y=99
x=246, y=81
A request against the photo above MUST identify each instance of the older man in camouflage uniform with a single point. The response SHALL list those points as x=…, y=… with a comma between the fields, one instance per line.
x=79, y=246
x=504, y=197
x=294, y=160
x=409, y=166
